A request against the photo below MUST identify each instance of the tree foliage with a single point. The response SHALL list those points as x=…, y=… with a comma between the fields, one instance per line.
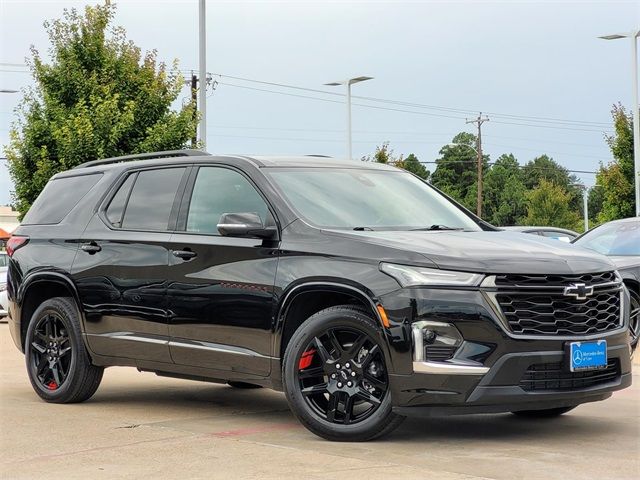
x=548, y=204
x=383, y=154
x=504, y=192
x=616, y=178
x=413, y=165
x=456, y=170
x=98, y=97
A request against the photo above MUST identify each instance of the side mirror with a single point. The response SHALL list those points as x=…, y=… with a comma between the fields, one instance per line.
x=245, y=225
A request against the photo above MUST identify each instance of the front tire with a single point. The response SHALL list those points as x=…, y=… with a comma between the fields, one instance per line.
x=58, y=364
x=335, y=376
x=548, y=413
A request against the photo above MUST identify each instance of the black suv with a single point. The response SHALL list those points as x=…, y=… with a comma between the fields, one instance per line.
x=360, y=290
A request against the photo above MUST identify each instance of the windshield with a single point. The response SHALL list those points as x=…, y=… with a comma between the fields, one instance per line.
x=613, y=239
x=367, y=199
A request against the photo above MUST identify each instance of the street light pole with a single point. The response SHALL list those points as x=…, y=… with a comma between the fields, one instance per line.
x=585, y=207
x=636, y=108
x=202, y=54
x=348, y=84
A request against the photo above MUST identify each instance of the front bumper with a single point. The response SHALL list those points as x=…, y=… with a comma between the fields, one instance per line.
x=496, y=380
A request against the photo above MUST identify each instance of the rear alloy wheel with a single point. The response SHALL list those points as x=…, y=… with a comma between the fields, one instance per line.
x=548, y=413
x=58, y=364
x=336, y=378
x=634, y=319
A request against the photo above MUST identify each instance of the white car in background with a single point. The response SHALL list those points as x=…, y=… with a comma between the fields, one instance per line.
x=4, y=266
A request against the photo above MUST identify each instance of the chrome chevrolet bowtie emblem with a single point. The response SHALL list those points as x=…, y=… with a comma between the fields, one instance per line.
x=579, y=291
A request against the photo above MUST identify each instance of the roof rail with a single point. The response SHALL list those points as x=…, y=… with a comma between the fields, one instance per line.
x=144, y=156
x=318, y=155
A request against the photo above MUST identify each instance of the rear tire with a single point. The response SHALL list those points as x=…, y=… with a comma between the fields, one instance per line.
x=548, y=413
x=58, y=364
x=335, y=376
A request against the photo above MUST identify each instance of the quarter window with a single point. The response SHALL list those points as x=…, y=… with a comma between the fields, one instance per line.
x=151, y=199
x=217, y=191
x=58, y=198
x=118, y=202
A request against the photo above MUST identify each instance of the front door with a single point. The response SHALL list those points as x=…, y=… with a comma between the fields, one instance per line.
x=221, y=289
x=121, y=267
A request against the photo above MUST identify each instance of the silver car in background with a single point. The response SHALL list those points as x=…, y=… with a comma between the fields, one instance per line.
x=620, y=241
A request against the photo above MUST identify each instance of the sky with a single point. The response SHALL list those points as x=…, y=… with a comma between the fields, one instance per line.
x=536, y=68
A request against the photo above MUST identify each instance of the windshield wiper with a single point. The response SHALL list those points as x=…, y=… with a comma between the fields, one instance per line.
x=361, y=229
x=435, y=227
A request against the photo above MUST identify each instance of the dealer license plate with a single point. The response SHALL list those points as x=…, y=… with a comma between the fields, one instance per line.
x=587, y=355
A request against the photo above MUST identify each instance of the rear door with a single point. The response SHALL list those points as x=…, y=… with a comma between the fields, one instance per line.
x=121, y=267
x=221, y=289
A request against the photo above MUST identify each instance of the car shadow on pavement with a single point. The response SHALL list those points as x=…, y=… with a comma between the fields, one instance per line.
x=502, y=426
x=216, y=400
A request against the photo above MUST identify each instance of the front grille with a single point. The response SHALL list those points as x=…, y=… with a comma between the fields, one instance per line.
x=537, y=304
x=559, y=315
x=512, y=280
x=551, y=376
x=439, y=353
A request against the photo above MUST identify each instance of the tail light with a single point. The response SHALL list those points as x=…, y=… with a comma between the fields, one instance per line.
x=15, y=242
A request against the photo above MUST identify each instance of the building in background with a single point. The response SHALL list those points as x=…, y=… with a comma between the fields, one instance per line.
x=8, y=223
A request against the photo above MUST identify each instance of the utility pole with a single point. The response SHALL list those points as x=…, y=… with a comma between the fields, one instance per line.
x=202, y=56
x=479, y=121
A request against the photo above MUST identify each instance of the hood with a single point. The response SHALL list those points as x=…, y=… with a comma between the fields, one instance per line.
x=624, y=262
x=490, y=252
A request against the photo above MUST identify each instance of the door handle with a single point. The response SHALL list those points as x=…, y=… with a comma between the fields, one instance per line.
x=91, y=248
x=184, y=254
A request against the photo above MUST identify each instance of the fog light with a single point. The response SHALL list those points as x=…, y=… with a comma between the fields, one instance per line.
x=435, y=341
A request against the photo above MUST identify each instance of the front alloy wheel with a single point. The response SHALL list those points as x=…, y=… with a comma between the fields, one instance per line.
x=336, y=378
x=341, y=375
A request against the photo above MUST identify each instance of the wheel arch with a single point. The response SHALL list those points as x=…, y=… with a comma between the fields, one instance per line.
x=306, y=299
x=39, y=287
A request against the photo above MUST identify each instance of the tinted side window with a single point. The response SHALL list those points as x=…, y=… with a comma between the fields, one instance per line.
x=151, y=199
x=58, y=198
x=217, y=191
x=118, y=202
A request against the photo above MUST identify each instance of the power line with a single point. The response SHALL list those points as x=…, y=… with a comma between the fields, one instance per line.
x=277, y=92
x=550, y=122
x=529, y=118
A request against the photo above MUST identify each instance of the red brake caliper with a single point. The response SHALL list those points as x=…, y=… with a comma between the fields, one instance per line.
x=306, y=359
x=52, y=385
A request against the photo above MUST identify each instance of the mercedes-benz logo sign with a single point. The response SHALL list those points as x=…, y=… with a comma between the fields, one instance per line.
x=578, y=290
x=577, y=357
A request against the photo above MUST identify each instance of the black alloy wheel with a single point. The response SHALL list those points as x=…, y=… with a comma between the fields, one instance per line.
x=335, y=376
x=58, y=364
x=51, y=354
x=341, y=375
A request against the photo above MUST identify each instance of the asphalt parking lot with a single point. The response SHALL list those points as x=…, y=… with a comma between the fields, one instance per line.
x=139, y=425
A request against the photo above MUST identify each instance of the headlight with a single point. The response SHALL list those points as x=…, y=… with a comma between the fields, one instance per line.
x=421, y=276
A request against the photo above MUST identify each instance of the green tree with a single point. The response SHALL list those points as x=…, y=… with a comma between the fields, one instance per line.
x=413, y=165
x=504, y=192
x=456, y=170
x=595, y=201
x=545, y=167
x=548, y=204
x=616, y=178
x=384, y=154
x=99, y=97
